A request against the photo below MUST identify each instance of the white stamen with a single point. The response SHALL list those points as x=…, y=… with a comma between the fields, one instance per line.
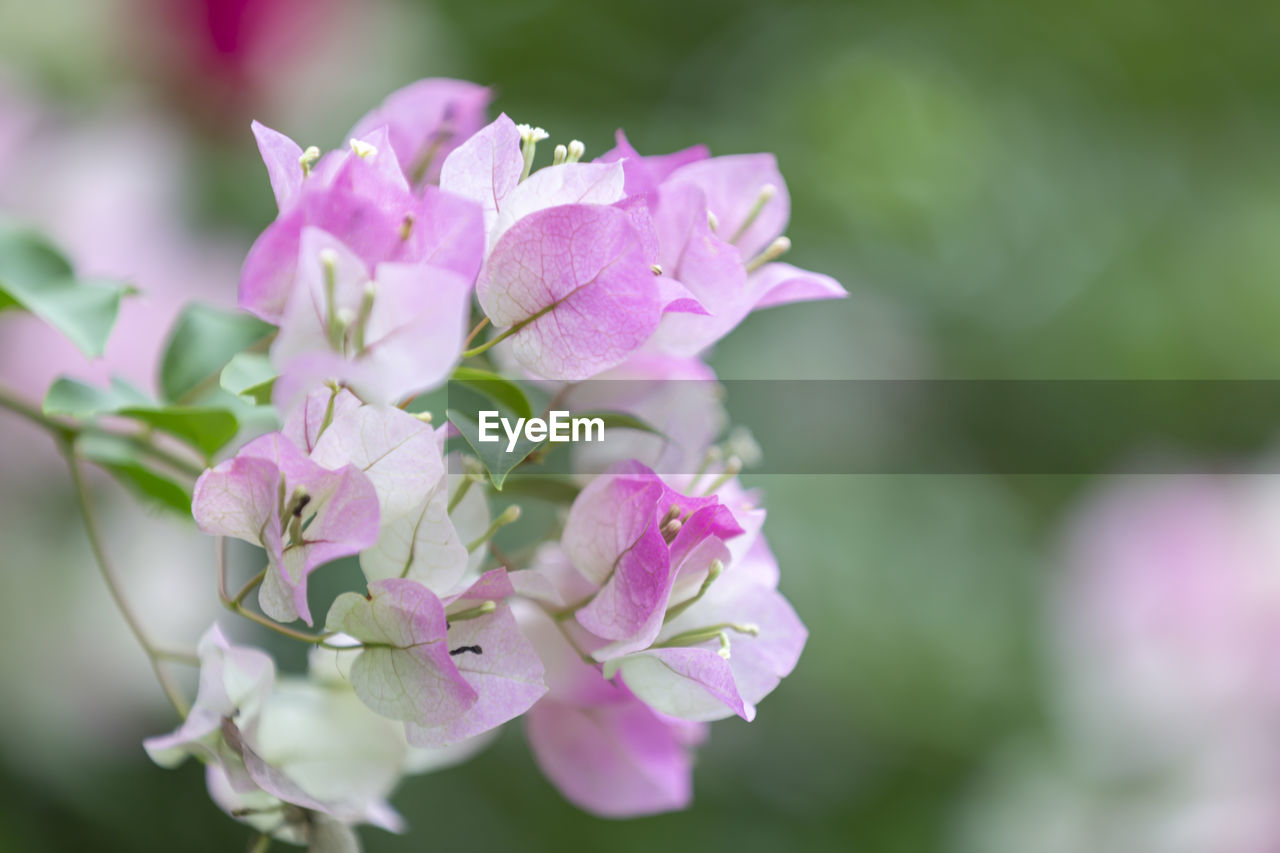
x=362, y=149
x=308, y=159
x=531, y=134
x=775, y=250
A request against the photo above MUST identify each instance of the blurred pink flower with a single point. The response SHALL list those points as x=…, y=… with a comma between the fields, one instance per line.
x=1164, y=628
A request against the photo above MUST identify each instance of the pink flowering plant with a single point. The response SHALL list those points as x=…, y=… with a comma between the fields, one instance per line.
x=431, y=252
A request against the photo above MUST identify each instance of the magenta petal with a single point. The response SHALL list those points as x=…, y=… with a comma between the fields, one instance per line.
x=645, y=173
x=630, y=606
x=609, y=517
x=448, y=232
x=732, y=186
x=577, y=281
x=678, y=299
x=283, y=158
x=612, y=536
x=413, y=335
x=376, y=175
x=493, y=585
x=750, y=593
x=366, y=227
x=708, y=267
x=486, y=168
x=426, y=120
x=779, y=284
x=708, y=520
x=506, y=674
x=304, y=324
x=614, y=760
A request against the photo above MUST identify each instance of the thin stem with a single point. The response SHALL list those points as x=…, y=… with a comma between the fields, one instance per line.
x=502, y=558
x=235, y=606
x=479, y=328
x=502, y=336
x=167, y=684
x=494, y=341
x=175, y=656
x=260, y=844
x=249, y=587
x=459, y=493
x=270, y=624
x=68, y=432
x=15, y=404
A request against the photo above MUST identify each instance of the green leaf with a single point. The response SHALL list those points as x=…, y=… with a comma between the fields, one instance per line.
x=493, y=454
x=77, y=400
x=249, y=374
x=548, y=487
x=202, y=342
x=622, y=420
x=502, y=391
x=36, y=277
x=205, y=428
x=119, y=459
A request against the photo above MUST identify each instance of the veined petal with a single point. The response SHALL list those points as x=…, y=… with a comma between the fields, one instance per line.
x=304, y=423
x=486, y=168
x=395, y=450
x=578, y=282
x=405, y=671
x=552, y=186
x=506, y=674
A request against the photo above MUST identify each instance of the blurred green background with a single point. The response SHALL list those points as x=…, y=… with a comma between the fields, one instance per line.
x=1008, y=189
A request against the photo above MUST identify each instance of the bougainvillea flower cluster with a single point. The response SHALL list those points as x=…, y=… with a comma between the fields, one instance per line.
x=650, y=608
